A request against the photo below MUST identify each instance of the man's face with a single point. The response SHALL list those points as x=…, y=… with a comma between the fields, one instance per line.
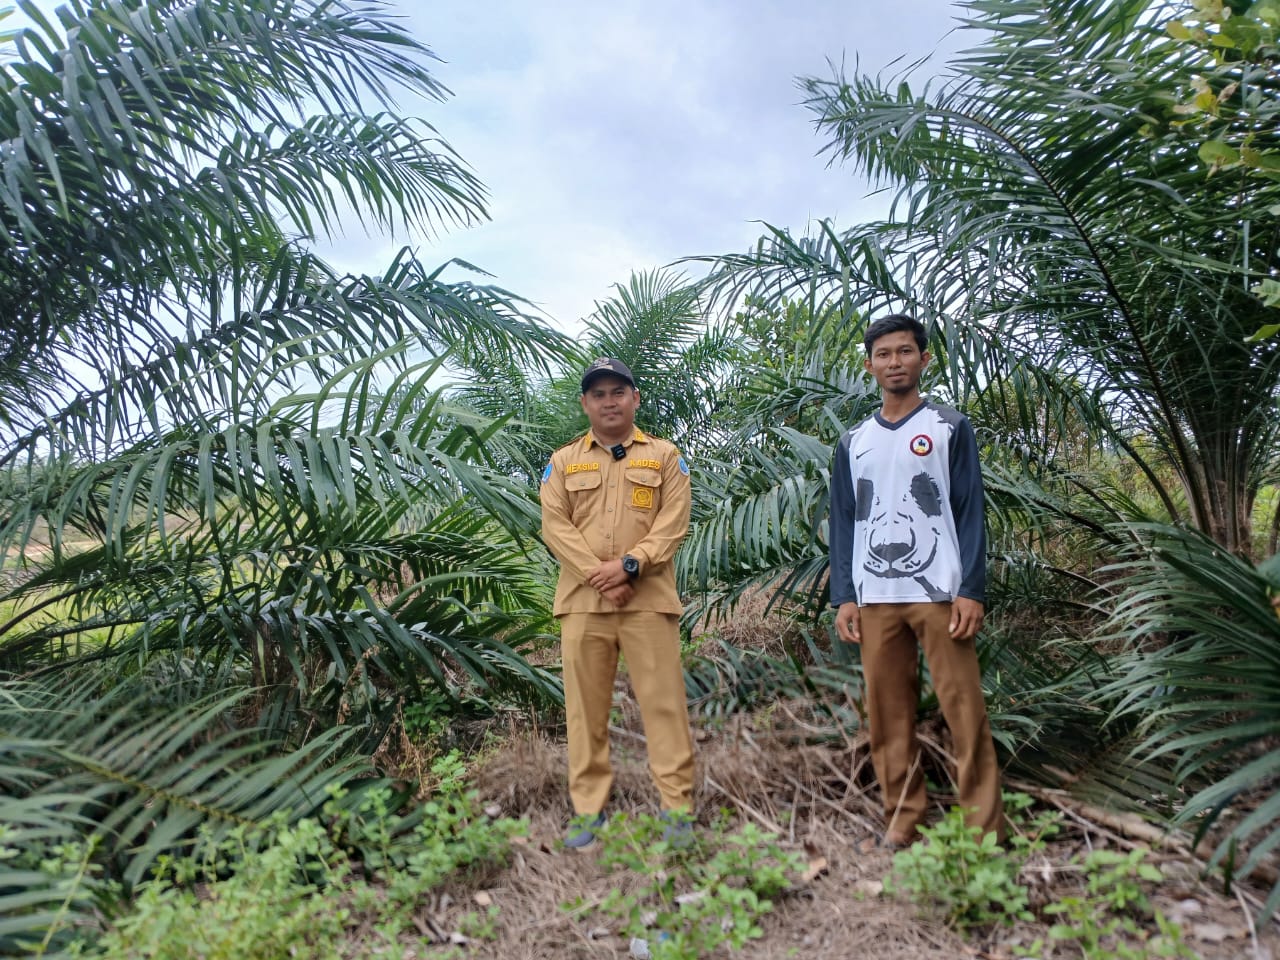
x=610, y=403
x=896, y=362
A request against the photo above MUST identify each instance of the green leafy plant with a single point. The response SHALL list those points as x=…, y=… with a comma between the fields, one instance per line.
x=54, y=882
x=698, y=898
x=445, y=833
x=427, y=718
x=292, y=890
x=230, y=479
x=1105, y=922
x=272, y=905
x=481, y=926
x=965, y=874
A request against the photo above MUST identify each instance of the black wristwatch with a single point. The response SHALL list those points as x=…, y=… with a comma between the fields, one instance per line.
x=631, y=566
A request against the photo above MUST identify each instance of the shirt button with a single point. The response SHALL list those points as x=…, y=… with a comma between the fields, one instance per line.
x=611, y=509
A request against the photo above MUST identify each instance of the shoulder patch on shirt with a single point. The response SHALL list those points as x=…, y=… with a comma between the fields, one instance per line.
x=683, y=465
x=921, y=445
x=546, y=473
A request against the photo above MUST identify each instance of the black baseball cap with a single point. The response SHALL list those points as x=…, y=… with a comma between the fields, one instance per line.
x=606, y=366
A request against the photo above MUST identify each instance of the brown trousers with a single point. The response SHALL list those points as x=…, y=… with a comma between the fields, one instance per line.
x=892, y=634
x=650, y=643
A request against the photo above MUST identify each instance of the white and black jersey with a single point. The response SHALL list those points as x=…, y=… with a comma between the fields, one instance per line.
x=907, y=511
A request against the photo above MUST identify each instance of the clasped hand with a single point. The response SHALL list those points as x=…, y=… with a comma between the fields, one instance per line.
x=611, y=582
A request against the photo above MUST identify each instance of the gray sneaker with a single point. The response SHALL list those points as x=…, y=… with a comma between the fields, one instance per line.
x=582, y=831
x=677, y=833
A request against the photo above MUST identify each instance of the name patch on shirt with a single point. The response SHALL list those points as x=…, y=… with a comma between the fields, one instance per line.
x=652, y=464
x=642, y=497
x=580, y=468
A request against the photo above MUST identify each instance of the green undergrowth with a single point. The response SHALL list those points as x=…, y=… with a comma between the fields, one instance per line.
x=298, y=891
x=964, y=877
x=1112, y=918
x=691, y=900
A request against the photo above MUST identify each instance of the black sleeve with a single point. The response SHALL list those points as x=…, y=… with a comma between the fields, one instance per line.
x=840, y=526
x=967, y=506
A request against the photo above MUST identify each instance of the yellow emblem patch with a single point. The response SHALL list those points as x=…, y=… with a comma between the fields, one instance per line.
x=642, y=497
x=580, y=468
x=652, y=464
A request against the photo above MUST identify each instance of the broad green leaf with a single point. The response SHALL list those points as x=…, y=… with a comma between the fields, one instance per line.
x=1269, y=292
x=1266, y=331
x=1217, y=153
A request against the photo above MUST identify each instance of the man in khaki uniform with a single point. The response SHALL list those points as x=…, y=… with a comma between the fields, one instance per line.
x=615, y=506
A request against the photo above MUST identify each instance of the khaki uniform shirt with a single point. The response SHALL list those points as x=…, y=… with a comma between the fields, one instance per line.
x=596, y=508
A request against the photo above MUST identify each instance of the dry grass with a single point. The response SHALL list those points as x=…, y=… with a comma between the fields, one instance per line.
x=820, y=799
x=779, y=769
x=755, y=623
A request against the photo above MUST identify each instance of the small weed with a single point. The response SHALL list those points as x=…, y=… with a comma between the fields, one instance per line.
x=1104, y=922
x=427, y=719
x=697, y=899
x=69, y=882
x=480, y=926
x=965, y=874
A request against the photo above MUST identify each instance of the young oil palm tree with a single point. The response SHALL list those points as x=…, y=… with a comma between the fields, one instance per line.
x=1054, y=204
x=225, y=466
x=1089, y=284
x=656, y=323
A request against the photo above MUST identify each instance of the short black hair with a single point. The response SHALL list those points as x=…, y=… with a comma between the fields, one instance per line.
x=894, y=323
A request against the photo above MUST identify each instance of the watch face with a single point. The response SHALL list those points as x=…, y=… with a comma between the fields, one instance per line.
x=631, y=565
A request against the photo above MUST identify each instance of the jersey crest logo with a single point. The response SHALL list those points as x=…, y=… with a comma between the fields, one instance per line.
x=921, y=445
x=642, y=497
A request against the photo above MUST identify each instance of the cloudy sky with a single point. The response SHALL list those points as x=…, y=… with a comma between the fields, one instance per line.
x=616, y=137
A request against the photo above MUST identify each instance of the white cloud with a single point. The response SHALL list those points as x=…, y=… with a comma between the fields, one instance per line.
x=615, y=137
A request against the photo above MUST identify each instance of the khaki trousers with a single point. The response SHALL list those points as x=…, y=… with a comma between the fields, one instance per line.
x=650, y=643
x=892, y=634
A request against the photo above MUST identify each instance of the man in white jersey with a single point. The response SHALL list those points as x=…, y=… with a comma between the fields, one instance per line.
x=908, y=570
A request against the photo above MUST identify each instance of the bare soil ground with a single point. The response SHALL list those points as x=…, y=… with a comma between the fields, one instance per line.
x=820, y=799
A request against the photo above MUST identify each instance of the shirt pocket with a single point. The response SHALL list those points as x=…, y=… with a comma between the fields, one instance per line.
x=583, y=491
x=587, y=480
x=643, y=490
